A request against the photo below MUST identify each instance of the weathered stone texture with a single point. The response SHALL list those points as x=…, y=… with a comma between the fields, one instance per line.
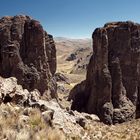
x=113, y=76
x=28, y=53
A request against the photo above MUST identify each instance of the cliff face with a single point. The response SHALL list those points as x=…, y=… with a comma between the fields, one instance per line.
x=28, y=53
x=112, y=86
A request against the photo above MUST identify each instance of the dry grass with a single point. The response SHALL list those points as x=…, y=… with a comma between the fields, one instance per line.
x=16, y=126
x=126, y=131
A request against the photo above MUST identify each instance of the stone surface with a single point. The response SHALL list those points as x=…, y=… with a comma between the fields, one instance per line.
x=48, y=116
x=77, y=95
x=83, y=56
x=28, y=53
x=60, y=77
x=71, y=57
x=10, y=91
x=15, y=99
x=81, y=121
x=112, y=82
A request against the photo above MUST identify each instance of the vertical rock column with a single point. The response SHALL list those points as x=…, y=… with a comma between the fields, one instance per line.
x=112, y=82
x=28, y=53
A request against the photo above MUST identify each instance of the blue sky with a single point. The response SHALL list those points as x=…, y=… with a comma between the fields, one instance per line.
x=73, y=18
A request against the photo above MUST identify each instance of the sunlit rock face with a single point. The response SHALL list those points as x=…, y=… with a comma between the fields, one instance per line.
x=28, y=53
x=112, y=86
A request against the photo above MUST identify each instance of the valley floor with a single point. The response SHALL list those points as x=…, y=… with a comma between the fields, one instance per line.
x=95, y=130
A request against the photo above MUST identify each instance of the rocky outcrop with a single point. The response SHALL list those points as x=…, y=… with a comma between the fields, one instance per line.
x=77, y=95
x=60, y=77
x=112, y=82
x=28, y=53
x=10, y=91
x=80, y=57
x=72, y=123
x=71, y=57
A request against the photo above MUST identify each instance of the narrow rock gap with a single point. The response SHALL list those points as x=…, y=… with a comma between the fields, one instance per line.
x=7, y=99
x=138, y=104
x=0, y=55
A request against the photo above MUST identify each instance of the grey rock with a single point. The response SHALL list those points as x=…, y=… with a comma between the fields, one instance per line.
x=48, y=116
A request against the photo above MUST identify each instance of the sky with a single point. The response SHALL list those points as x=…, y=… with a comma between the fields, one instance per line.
x=73, y=18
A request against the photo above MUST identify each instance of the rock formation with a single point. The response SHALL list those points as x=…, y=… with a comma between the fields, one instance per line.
x=28, y=53
x=15, y=97
x=112, y=86
x=82, y=57
x=10, y=91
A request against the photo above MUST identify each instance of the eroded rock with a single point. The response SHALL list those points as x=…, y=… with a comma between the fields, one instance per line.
x=72, y=123
x=112, y=82
x=28, y=53
x=48, y=116
x=60, y=77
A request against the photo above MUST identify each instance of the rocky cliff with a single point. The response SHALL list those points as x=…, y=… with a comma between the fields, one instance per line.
x=112, y=86
x=28, y=53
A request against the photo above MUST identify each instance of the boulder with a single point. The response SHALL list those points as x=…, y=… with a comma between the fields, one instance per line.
x=82, y=122
x=48, y=116
x=11, y=92
x=71, y=57
x=112, y=81
x=60, y=77
x=28, y=53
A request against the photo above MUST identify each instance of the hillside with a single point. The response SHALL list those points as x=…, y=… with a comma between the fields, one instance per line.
x=73, y=70
x=69, y=89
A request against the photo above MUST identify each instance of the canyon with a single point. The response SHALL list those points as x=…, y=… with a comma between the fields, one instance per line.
x=61, y=88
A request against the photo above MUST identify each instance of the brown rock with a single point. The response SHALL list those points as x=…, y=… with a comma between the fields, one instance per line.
x=77, y=95
x=112, y=83
x=28, y=53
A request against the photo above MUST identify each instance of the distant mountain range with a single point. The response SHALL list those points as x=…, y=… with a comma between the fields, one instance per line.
x=68, y=45
x=76, y=51
x=71, y=39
